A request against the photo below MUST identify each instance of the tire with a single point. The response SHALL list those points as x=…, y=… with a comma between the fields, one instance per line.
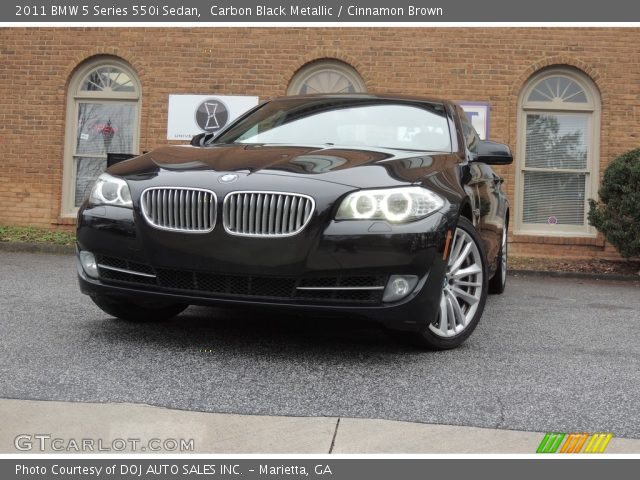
x=137, y=312
x=499, y=281
x=467, y=292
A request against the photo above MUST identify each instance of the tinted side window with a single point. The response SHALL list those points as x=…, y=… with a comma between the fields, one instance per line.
x=470, y=135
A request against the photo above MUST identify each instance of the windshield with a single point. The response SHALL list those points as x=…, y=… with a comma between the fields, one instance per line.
x=345, y=123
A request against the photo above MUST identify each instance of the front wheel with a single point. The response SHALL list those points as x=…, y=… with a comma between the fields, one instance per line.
x=137, y=311
x=464, y=292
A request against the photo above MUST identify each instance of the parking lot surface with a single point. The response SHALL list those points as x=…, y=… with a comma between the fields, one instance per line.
x=549, y=355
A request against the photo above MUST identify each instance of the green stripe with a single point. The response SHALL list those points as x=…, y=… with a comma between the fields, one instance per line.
x=553, y=447
x=543, y=443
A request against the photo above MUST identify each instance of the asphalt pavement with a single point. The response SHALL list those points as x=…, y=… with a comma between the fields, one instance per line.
x=550, y=354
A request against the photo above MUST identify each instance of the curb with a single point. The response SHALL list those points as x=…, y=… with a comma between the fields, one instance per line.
x=266, y=434
x=37, y=248
x=575, y=275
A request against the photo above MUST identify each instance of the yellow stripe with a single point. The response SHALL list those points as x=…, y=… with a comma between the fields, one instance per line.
x=583, y=439
x=607, y=439
x=596, y=445
x=590, y=444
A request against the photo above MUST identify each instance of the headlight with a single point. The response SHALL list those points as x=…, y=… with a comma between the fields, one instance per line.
x=109, y=190
x=396, y=205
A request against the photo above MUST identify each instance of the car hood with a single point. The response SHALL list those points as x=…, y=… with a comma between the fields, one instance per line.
x=361, y=168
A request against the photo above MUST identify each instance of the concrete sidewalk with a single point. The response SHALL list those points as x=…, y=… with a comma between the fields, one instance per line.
x=117, y=424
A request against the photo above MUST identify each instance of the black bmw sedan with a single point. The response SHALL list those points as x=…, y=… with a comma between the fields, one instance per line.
x=369, y=205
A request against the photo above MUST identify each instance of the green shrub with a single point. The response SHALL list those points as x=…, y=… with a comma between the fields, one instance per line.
x=617, y=214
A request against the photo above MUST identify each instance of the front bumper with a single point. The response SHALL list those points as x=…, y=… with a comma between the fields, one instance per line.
x=219, y=269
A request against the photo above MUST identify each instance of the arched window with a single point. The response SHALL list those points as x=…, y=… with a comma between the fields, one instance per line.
x=558, y=151
x=103, y=111
x=326, y=76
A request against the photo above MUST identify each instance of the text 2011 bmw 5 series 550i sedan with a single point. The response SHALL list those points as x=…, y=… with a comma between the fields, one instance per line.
x=378, y=206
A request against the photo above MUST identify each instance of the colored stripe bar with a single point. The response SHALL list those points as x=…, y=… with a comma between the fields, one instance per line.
x=598, y=443
x=607, y=439
x=554, y=448
x=568, y=443
x=550, y=443
x=543, y=443
x=582, y=441
x=573, y=442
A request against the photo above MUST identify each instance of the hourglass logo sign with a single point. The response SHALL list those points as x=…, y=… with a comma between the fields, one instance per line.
x=211, y=115
x=191, y=115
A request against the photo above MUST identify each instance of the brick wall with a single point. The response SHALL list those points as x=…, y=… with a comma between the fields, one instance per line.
x=478, y=64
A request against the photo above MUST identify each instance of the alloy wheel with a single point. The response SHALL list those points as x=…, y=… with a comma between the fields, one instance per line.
x=462, y=287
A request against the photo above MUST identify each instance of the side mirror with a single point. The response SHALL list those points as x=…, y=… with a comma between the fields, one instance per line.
x=494, y=153
x=201, y=139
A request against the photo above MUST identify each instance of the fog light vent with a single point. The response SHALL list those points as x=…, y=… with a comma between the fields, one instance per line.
x=88, y=262
x=398, y=287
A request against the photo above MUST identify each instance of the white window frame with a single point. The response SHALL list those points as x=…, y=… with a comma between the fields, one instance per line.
x=592, y=108
x=75, y=97
x=333, y=66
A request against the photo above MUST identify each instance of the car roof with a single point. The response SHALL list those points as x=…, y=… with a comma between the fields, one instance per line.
x=363, y=96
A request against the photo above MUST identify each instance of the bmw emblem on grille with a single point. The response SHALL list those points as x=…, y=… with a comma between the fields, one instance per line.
x=228, y=178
